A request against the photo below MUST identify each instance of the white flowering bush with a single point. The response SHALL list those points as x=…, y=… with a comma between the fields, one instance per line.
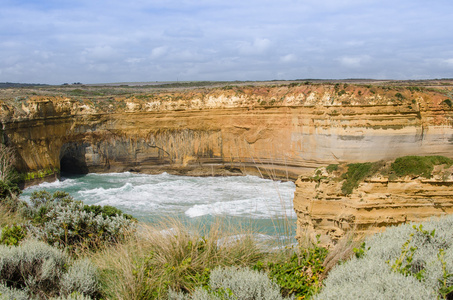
x=65, y=223
x=412, y=261
x=35, y=269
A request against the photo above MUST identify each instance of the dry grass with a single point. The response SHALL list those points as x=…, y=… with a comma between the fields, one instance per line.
x=172, y=255
x=342, y=251
x=8, y=217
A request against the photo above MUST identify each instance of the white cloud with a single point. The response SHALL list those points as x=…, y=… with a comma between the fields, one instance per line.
x=133, y=60
x=159, y=51
x=288, y=58
x=258, y=46
x=354, y=61
x=111, y=41
x=100, y=53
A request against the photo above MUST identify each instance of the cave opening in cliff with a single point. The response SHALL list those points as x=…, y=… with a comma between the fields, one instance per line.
x=72, y=159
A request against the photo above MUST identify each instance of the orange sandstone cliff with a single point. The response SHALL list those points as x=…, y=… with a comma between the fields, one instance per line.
x=324, y=210
x=279, y=131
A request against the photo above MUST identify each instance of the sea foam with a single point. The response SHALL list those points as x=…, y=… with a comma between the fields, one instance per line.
x=149, y=196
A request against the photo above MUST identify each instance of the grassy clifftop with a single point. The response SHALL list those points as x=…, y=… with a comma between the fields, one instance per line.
x=411, y=166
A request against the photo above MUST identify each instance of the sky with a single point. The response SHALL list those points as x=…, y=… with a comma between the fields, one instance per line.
x=100, y=41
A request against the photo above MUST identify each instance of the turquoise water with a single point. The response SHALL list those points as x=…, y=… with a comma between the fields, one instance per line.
x=264, y=204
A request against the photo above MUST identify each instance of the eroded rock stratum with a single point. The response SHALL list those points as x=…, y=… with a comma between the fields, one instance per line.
x=365, y=198
x=283, y=130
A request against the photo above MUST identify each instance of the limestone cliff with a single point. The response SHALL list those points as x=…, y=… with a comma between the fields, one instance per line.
x=380, y=200
x=278, y=131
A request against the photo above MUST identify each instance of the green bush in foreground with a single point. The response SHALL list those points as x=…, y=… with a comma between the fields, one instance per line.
x=106, y=211
x=300, y=274
x=63, y=222
x=12, y=235
x=405, y=262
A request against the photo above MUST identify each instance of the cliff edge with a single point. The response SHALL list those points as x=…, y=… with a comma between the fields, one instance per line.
x=367, y=197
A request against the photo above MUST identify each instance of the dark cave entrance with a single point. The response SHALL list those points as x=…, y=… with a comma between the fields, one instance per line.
x=72, y=158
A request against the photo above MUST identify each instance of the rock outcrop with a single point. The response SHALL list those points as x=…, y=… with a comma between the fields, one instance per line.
x=279, y=131
x=379, y=201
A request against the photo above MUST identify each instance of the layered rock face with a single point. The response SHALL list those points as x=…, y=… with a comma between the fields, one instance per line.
x=278, y=131
x=323, y=208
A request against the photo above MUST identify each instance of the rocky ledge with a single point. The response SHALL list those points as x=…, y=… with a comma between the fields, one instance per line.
x=365, y=198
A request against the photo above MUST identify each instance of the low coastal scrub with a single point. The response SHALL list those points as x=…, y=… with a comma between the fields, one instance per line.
x=175, y=260
x=412, y=261
x=68, y=224
x=37, y=270
x=231, y=283
x=57, y=248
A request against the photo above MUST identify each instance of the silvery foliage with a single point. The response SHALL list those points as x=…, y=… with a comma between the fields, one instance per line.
x=73, y=296
x=33, y=266
x=37, y=269
x=235, y=283
x=371, y=277
x=12, y=293
x=70, y=224
x=81, y=277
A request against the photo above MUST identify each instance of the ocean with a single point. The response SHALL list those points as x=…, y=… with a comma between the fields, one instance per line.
x=263, y=204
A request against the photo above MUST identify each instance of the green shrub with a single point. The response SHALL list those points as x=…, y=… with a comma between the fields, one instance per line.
x=69, y=226
x=41, y=202
x=300, y=274
x=106, y=211
x=447, y=102
x=12, y=235
x=357, y=173
x=243, y=283
x=341, y=93
x=405, y=262
x=8, y=174
x=399, y=96
x=63, y=222
x=418, y=165
x=8, y=189
x=332, y=168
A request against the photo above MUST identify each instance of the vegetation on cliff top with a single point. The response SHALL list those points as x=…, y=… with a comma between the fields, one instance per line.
x=108, y=96
x=414, y=166
x=418, y=165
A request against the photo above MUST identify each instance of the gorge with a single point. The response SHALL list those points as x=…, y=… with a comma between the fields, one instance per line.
x=275, y=130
